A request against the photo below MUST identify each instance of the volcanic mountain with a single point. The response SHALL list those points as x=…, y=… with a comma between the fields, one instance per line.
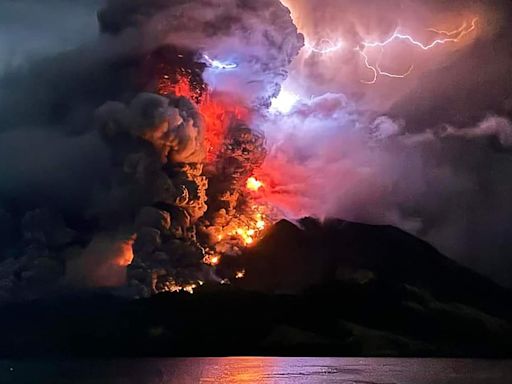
x=311, y=288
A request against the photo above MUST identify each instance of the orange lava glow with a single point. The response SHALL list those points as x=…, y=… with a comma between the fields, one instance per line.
x=239, y=227
x=251, y=230
x=240, y=231
x=217, y=111
x=125, y=252
x=253, y=184
x=189, y=287
x=240, y=274
x=212, y=260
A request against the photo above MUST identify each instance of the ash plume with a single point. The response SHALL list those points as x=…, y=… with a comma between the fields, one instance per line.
x=118, y=190
x=258, y=37
x=32, y=29
x=140, y=141
x=102, y=264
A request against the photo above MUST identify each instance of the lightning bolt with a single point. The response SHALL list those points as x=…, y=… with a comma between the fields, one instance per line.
x=450, y=37
x=376, y=70
x=461, y=32
x=218, y=64
x=324, y=46
x=456, y=31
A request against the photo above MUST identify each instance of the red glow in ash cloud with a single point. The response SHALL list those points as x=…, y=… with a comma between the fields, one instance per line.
x=217, y=111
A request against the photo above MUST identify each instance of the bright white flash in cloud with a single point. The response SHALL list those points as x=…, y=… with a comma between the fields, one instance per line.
x=284, y=102
x=216, y=64
x=324, y=46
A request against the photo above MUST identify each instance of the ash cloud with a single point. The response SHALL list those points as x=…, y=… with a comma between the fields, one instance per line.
x=38, y=166
x=102, y=181
x=257, y=37
x=31, y=29
x=103, y=263
x=87, y=150
x=429, y=153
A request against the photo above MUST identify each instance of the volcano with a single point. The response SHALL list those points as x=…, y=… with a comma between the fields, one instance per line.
x=196, y=177
x=334, y=288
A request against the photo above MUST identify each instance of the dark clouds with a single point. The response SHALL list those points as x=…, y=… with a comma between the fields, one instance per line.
x=92, y=163
x=429, y=153
x=41, y=167
x=257, y=36
x=31, y=28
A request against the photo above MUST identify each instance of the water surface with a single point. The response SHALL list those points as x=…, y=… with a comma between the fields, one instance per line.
x=258, y=370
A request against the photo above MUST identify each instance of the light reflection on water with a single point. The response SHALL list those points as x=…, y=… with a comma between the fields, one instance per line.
x=258, y=370
x=335, y=370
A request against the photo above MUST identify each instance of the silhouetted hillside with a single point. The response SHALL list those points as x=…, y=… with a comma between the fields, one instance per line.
x=336, y=288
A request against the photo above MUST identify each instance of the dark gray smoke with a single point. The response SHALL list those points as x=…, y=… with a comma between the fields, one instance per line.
x=31, y=29
x=102, y=180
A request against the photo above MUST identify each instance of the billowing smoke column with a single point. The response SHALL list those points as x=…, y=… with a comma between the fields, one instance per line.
x=162, y=170
x=179, y=134
x=163, y=102
x=246, y=46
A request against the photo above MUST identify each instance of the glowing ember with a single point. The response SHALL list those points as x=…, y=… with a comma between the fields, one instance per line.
x=189, y=287
x=253, y=184
x=260, y=222
x=246, y=235
x=240, y=230
x=252, y=231
x=240, y=274
x=212, y=260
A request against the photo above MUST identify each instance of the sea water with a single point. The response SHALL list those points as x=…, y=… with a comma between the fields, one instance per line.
x=258, y=370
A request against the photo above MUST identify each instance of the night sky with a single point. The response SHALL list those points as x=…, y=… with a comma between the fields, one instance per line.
x=430, y=152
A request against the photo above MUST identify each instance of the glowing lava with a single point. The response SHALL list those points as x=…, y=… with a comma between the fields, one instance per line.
x=240, y=274
x=212, y=260
x=253, y=184
x=251, y=230
x=242, y=231
x=188, y=287
x=217, y=112
x=236, y=226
